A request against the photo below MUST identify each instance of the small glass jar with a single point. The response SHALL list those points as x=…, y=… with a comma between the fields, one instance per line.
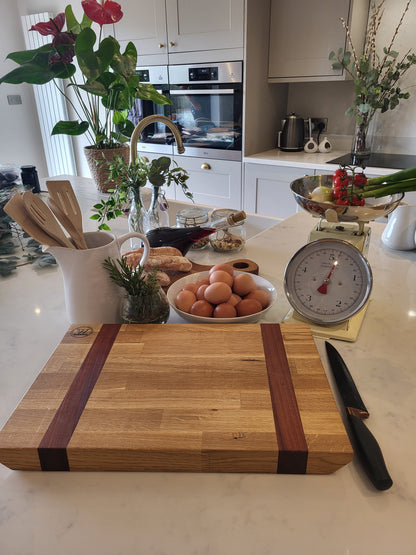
x=228, y=239
x=190, y=217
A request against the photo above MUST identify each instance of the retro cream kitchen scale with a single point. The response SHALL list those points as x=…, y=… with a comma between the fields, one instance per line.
x=329, y=280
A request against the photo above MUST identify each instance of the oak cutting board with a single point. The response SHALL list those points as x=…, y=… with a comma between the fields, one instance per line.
x=180, y=397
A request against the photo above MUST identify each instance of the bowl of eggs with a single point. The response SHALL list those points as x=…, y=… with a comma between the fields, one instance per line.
x=221, y=295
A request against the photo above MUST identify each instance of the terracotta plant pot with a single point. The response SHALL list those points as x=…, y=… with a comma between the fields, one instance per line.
x=100, y=174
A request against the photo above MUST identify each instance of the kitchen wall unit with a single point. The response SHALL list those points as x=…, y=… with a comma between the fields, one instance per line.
x=302, y=34
x=266, y=189
x=182, y=31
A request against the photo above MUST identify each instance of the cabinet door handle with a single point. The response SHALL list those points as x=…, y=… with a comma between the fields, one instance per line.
x=161, y=45
x=205, y=166
x=172, y=43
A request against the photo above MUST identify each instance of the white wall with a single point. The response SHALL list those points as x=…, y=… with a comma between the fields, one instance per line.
x=396, y=129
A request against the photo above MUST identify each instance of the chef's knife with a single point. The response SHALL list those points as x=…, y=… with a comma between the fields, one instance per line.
x=366, y=445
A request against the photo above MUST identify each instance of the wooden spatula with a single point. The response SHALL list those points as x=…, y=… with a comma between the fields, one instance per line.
x=62, y=193
x=66, y=222
x=42, y=215
x=16, y=209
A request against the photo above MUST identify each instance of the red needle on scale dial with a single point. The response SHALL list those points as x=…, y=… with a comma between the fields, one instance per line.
x=323, y=288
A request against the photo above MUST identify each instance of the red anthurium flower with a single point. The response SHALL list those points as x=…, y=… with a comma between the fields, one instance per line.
x=51, y=27
x=102, y=13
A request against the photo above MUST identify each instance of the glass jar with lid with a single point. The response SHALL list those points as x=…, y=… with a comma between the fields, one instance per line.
x=190, y=217
x=230, y=239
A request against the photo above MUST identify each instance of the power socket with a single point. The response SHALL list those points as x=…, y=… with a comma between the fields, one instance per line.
x=319, y=125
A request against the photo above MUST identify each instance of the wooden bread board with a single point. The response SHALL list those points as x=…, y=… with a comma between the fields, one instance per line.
x=180, y=397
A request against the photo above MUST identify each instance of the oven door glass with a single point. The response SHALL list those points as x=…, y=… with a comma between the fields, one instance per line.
x=208, y=116
x=156, y=137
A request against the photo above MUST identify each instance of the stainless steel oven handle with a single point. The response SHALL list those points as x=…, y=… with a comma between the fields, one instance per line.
x=202, y=91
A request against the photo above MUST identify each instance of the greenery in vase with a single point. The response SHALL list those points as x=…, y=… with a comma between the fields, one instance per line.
x=130, y=178
x=135, y=281
x=106, y=84
x=375, y=77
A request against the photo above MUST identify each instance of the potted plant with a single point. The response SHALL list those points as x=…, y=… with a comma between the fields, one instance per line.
x=130, y=179
x=144, y=302
x=100, y=83
x=376, y=75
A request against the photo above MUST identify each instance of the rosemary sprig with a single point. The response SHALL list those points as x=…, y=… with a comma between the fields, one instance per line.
x=135, y=281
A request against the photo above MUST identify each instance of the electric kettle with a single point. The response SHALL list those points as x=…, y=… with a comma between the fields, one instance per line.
x=292, y=136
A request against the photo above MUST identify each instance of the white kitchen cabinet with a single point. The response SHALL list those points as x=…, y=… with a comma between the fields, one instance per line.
x=212, y=182
x=164, y=29
x=267, y=189
x=303, y=33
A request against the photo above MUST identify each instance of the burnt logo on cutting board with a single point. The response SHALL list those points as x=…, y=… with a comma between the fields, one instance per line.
x=82, y=331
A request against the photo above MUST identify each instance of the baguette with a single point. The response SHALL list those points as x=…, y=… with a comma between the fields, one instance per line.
x=162, y=277
x=166, y=262
x=157, y=250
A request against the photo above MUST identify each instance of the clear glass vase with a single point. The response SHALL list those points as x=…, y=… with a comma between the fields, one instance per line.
x=157, y=213
x=362, y=141
x=136, y=218
x=145, y=309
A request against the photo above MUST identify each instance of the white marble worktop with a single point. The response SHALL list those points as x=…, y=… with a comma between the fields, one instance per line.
x=222, y=514
x=307, y=160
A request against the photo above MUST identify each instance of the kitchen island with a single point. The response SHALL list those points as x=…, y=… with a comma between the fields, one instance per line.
x=183, y=513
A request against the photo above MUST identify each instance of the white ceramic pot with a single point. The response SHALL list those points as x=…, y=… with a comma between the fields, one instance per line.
x=400, y=231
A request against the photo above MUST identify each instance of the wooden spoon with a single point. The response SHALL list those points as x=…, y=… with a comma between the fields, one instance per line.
x=16, y=209
x=64, y=197
x=42, y=215
x=66, y=222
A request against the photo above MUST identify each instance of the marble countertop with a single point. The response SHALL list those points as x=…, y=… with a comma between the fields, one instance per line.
x=307, y=160
x=222, y=514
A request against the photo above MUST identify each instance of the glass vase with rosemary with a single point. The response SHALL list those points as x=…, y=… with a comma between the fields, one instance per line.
x=144, y=301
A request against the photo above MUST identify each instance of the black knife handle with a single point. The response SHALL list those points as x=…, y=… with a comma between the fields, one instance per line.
x=370, y=454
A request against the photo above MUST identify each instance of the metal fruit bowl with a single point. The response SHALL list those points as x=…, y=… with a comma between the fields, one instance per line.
x=374, y=207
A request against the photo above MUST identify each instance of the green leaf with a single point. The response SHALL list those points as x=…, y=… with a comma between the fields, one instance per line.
x=70, y=128
x=93, y=63
x=72, y=24
x=95, y=216
x=125, y=64
x=148, y=92
x=28, y=73
x=25, y=56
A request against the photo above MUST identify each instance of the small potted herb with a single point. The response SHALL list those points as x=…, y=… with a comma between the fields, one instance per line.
x=145, y=301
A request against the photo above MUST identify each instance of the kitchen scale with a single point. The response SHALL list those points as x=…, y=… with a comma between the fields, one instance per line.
x=328, y=281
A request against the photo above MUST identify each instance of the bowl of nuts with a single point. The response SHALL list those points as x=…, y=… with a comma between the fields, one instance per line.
x=228, y=240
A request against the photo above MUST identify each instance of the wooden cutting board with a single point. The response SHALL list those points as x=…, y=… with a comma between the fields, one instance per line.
x=180, y=397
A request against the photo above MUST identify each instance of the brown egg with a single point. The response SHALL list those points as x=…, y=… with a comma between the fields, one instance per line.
x=234, y=299
x=202, y=308
x=225, y=310
x=221, y=275
x=190, y=287
x=244, y=284
x=201, y=290
x=225, y=267
x=184, y=300
x=260, y=296
x=247, y=307
x=217, y=293
x=202, y=281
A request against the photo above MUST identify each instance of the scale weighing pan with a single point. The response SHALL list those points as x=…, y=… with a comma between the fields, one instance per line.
x=338, y=222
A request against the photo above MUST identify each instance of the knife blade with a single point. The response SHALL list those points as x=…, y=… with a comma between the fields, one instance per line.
x=365, y=444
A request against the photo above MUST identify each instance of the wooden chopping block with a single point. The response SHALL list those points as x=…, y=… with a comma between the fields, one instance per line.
x=180, y=397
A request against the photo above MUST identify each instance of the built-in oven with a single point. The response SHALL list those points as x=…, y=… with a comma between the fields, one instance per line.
x=156, y=137
x=207, y=107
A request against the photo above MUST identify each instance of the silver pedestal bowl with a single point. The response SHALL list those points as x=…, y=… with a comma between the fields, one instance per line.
x=374, y=207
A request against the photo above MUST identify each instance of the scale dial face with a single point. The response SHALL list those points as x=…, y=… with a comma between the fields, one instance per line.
x=328, y=281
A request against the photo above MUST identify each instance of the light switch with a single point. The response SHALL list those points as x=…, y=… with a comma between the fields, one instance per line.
x=14, y=99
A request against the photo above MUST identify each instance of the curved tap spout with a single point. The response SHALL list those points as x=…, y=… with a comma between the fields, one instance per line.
x=147, y=121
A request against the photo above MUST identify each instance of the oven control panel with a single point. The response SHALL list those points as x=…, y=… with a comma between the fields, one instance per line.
x=203, y=74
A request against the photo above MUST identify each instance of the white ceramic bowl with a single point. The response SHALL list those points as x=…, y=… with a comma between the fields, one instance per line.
x=193, y=278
